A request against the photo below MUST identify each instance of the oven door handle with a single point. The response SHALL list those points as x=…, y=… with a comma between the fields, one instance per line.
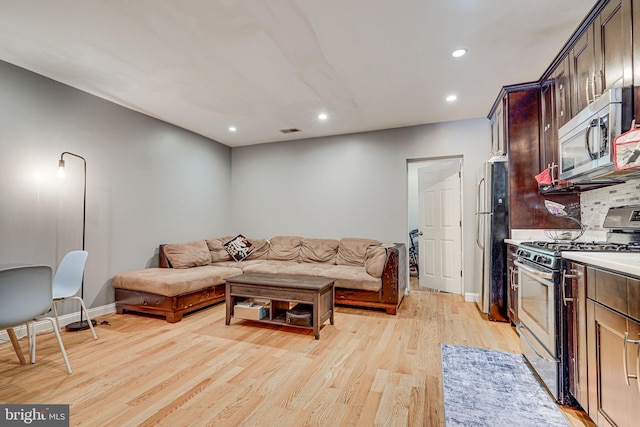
x=519, y=327
x=541, y=274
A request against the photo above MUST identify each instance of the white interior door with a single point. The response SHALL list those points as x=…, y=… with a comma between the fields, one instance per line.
x=440, y=227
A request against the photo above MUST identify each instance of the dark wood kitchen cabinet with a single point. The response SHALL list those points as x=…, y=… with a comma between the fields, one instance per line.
x=601, y=57
x=562, y=92
x=575, y=298
x=613, y=340
x=548, y=129
x=612, y=37
x=582, y=71
x=555, y=111
x=498, y=146
x=512, y=284
x=521, y=109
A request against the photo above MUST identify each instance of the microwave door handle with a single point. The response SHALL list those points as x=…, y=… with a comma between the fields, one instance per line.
x=587, y=138
x=604, y=138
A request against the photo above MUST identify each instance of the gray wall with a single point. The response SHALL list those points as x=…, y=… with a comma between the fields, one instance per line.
x=351, y=185
x=148, y=182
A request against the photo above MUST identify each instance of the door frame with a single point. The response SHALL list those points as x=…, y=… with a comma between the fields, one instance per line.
x=412, y=206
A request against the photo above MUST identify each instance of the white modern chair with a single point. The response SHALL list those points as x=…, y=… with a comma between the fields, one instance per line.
x=68, y=282
x=25, y=295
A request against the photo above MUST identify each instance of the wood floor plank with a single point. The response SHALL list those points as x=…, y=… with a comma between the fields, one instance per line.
x=368, y=369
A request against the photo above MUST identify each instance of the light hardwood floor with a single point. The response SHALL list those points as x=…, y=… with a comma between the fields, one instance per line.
x=369, y=369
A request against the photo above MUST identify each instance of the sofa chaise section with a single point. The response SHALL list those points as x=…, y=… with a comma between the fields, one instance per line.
x=171, y=292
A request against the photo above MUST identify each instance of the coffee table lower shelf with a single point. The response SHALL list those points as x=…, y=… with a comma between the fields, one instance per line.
x=281, y=293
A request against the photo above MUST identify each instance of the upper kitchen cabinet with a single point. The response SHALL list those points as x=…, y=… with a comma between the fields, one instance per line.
x=602, y=55
x=498, y=146
x=562, y=92
x=555, y=111
x=548, y=129
x=582, y=71
x=612, y=36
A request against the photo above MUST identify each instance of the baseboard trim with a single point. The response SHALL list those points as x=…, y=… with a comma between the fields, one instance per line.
x=471, y=297
x=65, y=319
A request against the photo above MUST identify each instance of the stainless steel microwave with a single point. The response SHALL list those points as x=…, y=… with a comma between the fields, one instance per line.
x=585, y=141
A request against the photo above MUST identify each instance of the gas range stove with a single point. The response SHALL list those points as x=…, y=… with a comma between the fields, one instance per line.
x=623, y=237
x=548, y=253
x=560, y=246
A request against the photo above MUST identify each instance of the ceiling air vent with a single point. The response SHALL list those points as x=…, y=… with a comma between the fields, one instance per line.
x=290, y=130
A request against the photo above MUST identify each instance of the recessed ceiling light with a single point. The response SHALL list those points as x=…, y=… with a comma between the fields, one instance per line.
x=232, y=129
x=458, y=53
x=322, y=116
x=451, y=98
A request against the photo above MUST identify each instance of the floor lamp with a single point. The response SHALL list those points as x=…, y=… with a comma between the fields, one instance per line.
x=82, y=324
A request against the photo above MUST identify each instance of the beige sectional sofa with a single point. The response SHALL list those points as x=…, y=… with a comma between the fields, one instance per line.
x=191, y=275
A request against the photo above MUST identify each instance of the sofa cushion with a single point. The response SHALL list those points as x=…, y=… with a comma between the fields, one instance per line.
x=348, y=277
x=239, y=247
x=302, y=268
x=187, y=255
x=171, y=281
x=375, y=259
x=319, y=250
x=269, y=267
x=262, y=249
x=218, y=253
x=242, y=264
x=284, y=248
x=351, y=277
x=353, y=251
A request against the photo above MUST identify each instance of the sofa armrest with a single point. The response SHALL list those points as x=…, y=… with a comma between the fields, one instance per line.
x=394, y=275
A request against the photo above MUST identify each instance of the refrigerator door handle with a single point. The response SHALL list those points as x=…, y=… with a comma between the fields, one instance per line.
x=478, y=213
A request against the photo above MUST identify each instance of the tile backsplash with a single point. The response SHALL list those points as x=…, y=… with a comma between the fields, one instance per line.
x=594, y=204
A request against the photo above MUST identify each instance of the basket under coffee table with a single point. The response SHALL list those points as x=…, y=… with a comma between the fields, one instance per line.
x=280, y=290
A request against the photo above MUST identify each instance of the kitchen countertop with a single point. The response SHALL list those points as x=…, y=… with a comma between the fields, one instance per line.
x=626, y=263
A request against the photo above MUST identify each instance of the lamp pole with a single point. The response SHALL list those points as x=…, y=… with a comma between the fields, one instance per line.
x=82, y=324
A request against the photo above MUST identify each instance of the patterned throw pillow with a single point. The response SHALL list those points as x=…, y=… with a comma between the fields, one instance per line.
x=239, y=247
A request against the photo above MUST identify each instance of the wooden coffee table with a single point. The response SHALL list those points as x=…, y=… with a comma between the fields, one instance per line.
x=280, y=290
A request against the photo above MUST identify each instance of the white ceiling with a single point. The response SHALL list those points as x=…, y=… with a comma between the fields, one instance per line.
x=266, y=65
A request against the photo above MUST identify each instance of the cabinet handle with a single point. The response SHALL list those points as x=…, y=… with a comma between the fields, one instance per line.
x=553, y=170
x=566, y=276
x=514, y=280
x=586, y=90
x=597, y=78
x=561, y=100
x=624, y=359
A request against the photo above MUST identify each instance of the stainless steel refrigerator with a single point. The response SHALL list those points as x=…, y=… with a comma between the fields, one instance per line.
x=492, y=227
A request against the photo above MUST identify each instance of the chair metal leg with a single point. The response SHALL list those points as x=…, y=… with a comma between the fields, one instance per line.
x=62, y=350
x=55, y=313
x=83, y=307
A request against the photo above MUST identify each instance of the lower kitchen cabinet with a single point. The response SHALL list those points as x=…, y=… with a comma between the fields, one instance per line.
x=613, y=340
x=575, y=299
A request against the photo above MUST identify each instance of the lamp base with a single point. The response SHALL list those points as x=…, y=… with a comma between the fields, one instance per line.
x=79, y=326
